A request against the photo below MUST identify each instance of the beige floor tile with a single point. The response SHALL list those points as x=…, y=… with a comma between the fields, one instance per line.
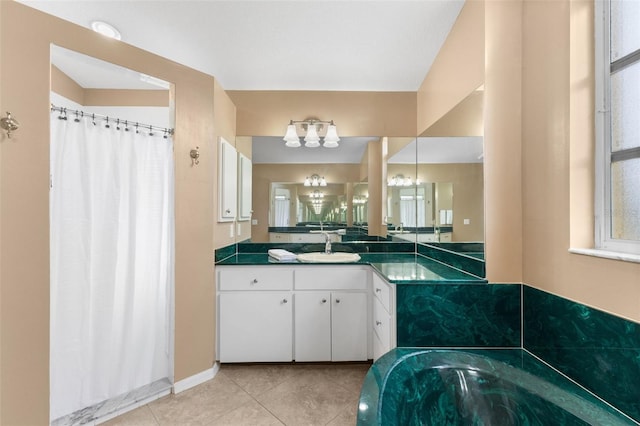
x=349, y=376
x=256, y=379
x=347, y=417
x=200, y=405
x=306, y=399
x=261, y=394
x=139, y=417
x=252, y=414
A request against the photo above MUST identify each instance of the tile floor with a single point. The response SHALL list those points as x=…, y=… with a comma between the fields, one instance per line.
x=261, y=394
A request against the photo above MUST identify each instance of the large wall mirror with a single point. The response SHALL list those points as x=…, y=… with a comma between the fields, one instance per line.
x=297, y=190
x=435, y=190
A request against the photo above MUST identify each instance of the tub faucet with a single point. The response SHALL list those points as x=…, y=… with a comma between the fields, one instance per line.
x=327, y=244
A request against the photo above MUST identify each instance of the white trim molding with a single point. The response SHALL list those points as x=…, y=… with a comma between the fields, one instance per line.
x=196, y=379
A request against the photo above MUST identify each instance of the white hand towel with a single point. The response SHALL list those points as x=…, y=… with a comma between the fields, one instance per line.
x=282, y=255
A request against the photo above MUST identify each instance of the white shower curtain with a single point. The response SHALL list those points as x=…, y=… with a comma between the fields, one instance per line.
x=111, y=218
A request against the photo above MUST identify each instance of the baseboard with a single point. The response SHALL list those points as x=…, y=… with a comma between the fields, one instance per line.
x=196, y=379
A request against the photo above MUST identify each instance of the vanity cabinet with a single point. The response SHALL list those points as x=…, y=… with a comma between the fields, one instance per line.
x=330, y=326
x=284, y=313
x=384, y=319
x=255, y=314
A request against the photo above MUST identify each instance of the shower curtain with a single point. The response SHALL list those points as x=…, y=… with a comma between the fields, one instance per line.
x=111, y=221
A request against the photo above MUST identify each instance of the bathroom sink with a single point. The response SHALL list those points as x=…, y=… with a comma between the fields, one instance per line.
x=398, y=232
x=321, y=257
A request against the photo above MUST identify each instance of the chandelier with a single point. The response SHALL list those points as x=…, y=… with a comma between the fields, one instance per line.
x=312, y=138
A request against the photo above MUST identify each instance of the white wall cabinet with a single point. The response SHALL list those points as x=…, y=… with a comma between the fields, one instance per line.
x=302, y=313
x=227, y=182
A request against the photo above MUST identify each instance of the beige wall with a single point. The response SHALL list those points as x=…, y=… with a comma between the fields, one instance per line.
x=224, y=121
x=558, y=139
x=24, y=199
x=502, y=140
x=65, y=86
x=267, y=113
x=458, y=69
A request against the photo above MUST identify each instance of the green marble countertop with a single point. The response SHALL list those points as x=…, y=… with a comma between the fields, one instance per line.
x=396, y=268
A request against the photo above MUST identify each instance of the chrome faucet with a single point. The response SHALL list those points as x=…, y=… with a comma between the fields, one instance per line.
x=327, y=244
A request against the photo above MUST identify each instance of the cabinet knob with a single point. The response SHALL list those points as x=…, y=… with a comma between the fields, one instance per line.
x=227, y=211
x=285, y=301
x=255, y=281
x=324, y=300
x=378, y=290
x=337, y=300
x=378, y=322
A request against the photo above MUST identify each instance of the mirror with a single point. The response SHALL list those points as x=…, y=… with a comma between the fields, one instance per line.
x=294, y=204
x=281, y=199
x=360, y=204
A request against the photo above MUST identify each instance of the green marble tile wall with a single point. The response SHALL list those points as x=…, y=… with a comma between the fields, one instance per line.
x=596, y=349
x=458, y=315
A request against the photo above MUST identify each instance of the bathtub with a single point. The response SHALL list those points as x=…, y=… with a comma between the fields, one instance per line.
x=475, y=387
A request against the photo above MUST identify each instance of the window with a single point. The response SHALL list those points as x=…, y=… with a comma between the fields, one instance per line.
x=618, y=125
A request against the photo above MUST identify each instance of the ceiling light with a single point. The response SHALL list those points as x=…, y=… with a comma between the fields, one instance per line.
x=105, y=29
x=312, y=128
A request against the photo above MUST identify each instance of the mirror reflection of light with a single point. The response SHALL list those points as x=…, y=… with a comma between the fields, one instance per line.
x=363, y=406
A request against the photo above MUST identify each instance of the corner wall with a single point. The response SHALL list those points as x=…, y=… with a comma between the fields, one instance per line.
x=24, y=205
x=558, y=138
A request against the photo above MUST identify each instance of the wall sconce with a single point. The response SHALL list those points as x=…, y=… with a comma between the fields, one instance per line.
x=315, y=180
x=312, y=128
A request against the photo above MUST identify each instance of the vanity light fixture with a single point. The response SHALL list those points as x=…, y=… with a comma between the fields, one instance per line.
x=316, y=194
x=105, y=29
x=315, y=180
x=400, y=180
x=312, y=128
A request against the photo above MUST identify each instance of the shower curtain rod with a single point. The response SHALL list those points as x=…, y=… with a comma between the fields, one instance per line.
x=126, y=124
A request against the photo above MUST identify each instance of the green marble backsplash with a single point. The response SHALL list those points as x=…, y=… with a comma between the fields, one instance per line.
x=458, y=315
x=598, y=350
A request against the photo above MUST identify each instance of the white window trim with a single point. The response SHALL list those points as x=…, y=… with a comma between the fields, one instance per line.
x=603, y=146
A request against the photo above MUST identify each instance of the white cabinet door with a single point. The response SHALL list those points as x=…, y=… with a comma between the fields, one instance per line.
x=227, y=182
x=312, y=326
x=256, y=326
x=348, y=326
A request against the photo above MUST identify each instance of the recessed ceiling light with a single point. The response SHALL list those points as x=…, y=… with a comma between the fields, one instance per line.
x=105, y=29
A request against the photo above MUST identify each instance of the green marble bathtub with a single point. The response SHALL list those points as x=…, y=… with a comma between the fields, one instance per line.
x=475, y=387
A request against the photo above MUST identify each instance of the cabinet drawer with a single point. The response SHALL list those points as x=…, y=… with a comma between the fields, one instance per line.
x=382, y=292
x=381, y=322
x=248, y=278
x=331, y=278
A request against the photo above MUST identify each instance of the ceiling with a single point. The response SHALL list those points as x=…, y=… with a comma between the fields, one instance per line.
x=364, y=45
x=272, y=150
x=434, y=150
